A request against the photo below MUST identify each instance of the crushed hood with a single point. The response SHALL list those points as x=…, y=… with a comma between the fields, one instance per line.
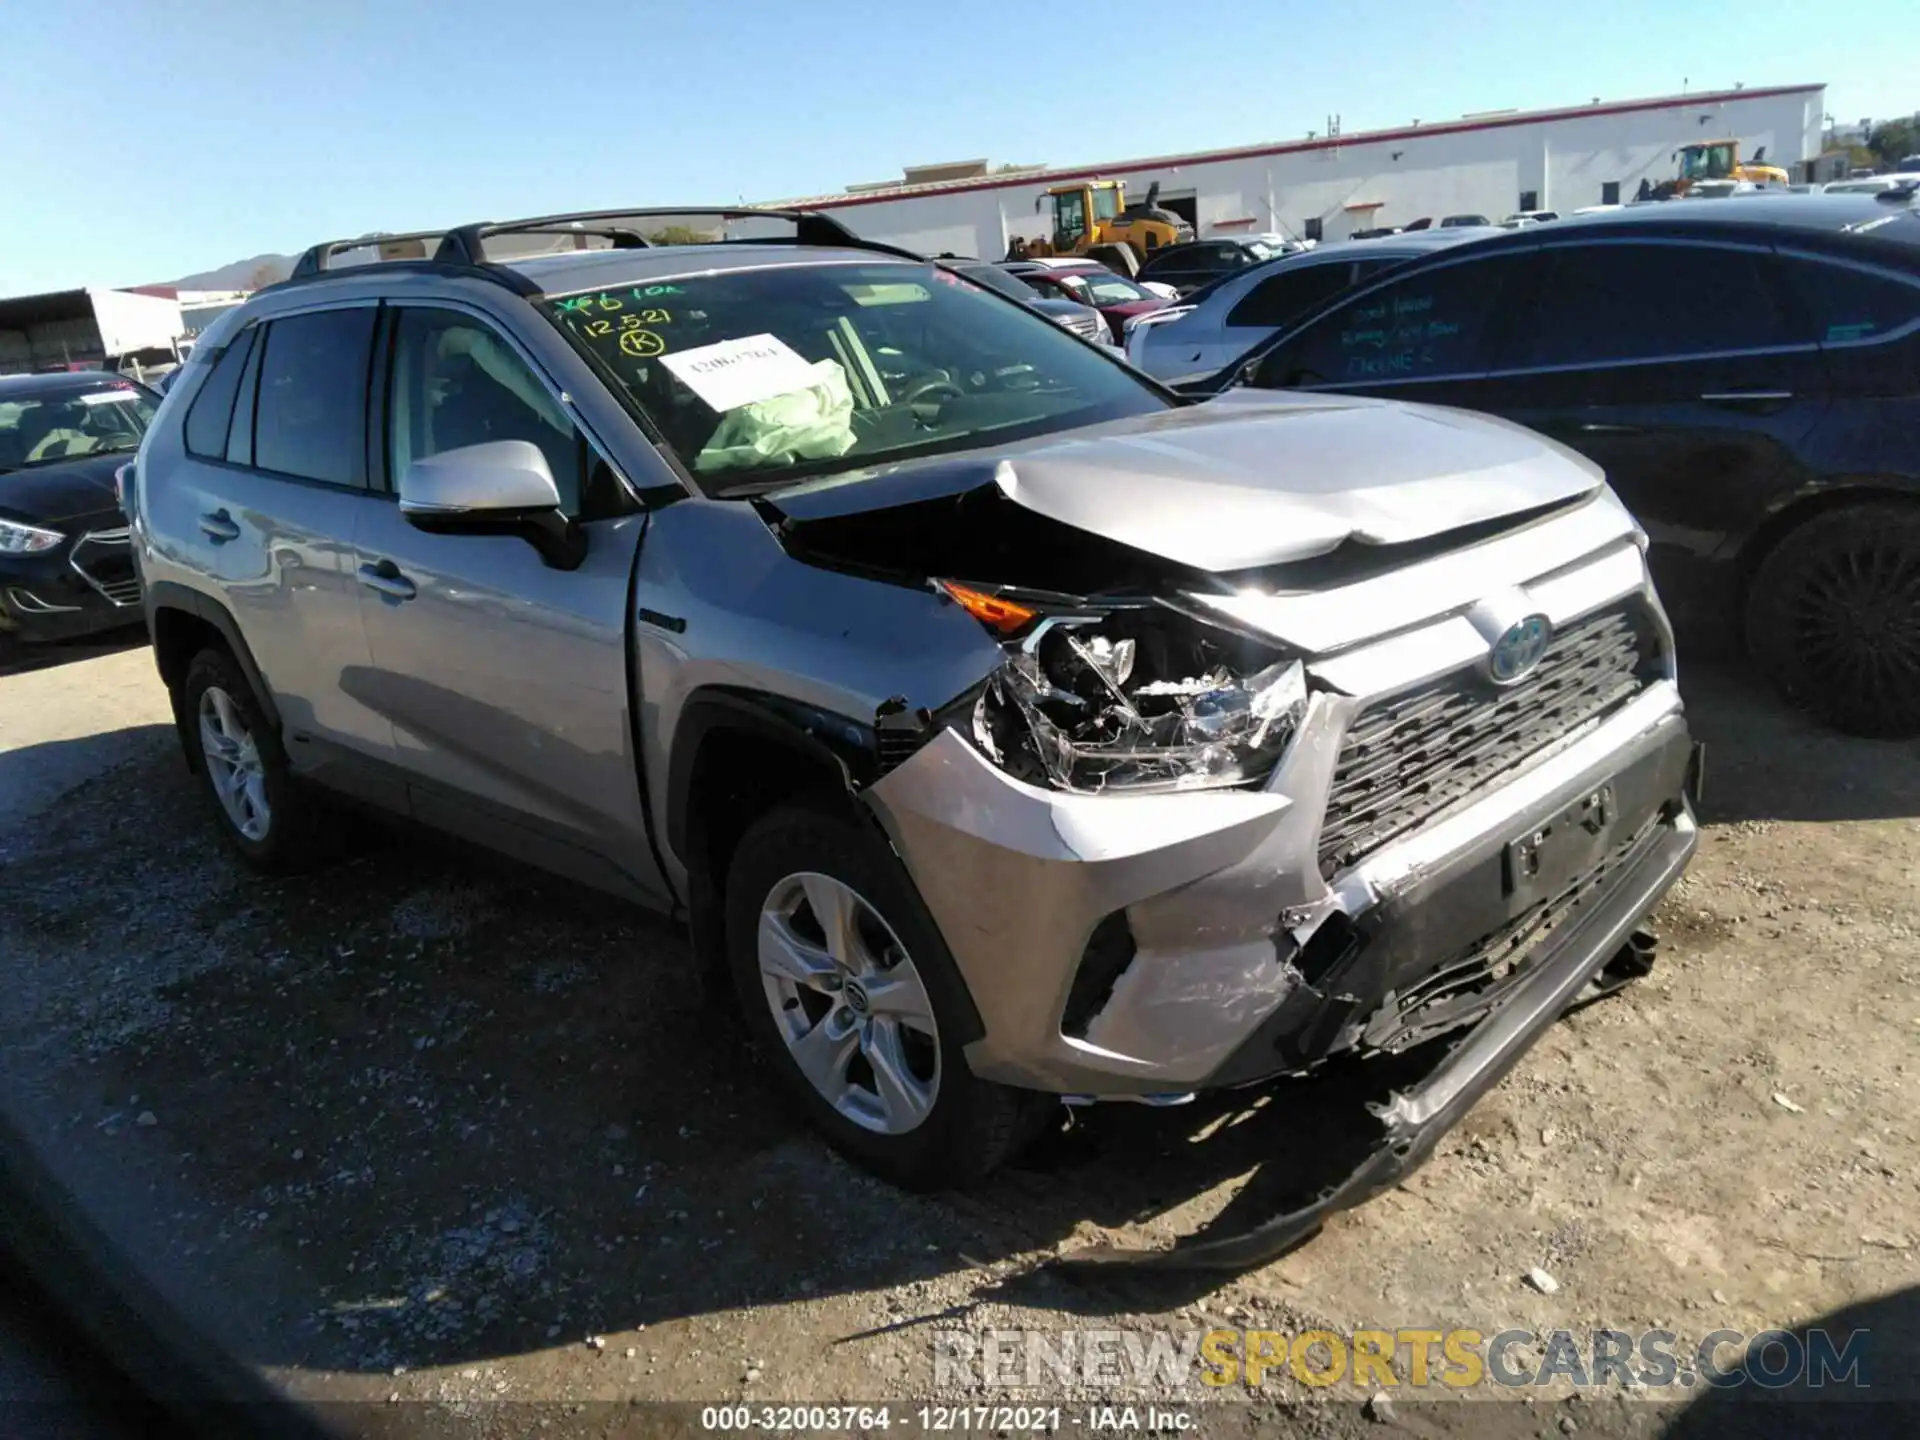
x=1246, y=480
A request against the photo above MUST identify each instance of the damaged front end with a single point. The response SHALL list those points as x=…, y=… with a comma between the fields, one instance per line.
x=1134, y=696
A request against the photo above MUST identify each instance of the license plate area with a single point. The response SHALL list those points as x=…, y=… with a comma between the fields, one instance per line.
x=1554, y=852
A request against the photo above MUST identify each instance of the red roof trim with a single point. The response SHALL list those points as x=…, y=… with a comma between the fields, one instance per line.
x=1364, y=205
x=1369, y=137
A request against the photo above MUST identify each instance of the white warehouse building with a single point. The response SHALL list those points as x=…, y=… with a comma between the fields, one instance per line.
x=1327, y=186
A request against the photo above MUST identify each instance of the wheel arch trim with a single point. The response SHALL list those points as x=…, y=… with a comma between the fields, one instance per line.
x=165, y=595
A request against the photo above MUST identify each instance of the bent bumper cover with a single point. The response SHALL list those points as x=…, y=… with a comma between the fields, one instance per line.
x=1413, y=1121
x=1222, y=893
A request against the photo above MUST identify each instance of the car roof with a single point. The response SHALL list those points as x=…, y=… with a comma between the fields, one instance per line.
x=1764, y=209
x=61, y=382
x=1409, y=242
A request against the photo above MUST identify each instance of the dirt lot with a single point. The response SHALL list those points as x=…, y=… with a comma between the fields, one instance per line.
x=417, y=1131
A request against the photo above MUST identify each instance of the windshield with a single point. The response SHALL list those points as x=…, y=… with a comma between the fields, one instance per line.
x=763, y=376
x=1701, y=162
x=91, y=419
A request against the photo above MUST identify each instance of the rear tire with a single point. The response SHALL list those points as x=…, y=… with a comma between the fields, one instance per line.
x=277, y=824
x=877, y=982
x=1833, y=619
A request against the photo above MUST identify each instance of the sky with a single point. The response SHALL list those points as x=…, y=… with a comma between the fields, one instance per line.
x=147, y=139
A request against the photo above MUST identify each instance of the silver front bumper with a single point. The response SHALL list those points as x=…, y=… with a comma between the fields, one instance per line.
x=1220, y=888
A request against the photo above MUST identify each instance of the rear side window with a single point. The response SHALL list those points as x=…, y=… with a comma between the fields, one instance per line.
x=1426, y=326
x=212, y=412
x=1603, y=304
x=1284, y=297
x=1845, y=304
x=310, y=419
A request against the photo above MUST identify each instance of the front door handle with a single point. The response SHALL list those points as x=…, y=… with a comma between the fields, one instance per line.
x=218, y=527
x=387, y=579
x=1763, y=401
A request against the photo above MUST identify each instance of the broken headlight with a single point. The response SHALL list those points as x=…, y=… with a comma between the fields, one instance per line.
x=1138, y=698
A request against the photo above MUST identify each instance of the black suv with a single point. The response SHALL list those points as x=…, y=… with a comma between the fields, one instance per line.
x=1749, y=377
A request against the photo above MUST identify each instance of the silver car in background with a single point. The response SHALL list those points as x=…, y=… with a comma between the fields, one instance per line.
x=1214, y=326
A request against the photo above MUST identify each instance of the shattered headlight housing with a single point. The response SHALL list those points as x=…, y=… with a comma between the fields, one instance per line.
x=1135, y=696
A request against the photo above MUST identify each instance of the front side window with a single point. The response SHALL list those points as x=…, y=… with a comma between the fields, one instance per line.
x=1602, y=304
x=1427, y=326
x=310, y=419
x=456, y=383
x=753, y=377
x=90, y=418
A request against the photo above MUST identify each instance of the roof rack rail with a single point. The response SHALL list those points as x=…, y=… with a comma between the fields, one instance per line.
x=466, y=244
x=318, y=259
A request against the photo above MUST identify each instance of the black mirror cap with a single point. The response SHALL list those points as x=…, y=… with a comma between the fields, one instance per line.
x=560, y=540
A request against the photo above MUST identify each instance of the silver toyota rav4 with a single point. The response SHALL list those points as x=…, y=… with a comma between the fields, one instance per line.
x=1006, y=728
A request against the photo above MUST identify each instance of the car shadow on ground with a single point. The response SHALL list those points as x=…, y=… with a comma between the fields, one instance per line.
x=1767, y=761
x=1804, y=1386
x=455, y=1111
x=17, y=658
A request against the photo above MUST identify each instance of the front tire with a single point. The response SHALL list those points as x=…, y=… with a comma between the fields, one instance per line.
x=1833, y=619
x=853, y=1003
x=275, y=823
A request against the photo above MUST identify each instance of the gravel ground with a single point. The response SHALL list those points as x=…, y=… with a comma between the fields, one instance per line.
x=424, y=1139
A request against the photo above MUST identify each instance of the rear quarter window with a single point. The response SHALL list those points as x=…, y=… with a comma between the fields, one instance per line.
x=211, y=414
x=1847, y=303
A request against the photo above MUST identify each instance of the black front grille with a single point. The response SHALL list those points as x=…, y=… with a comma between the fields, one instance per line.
x=1407, y=758
x=1479, y=977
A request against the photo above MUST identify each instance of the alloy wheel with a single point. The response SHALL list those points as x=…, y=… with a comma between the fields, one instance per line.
x=849, y=1003
x=233, y=764
x=1856, y=622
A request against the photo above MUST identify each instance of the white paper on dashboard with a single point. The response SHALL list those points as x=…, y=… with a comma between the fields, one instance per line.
x=733, y=373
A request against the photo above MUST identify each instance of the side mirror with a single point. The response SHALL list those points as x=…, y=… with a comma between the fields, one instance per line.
x=502, y=487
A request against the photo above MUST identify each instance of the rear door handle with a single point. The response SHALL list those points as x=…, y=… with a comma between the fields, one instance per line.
x=387, y=579
x=218, y=527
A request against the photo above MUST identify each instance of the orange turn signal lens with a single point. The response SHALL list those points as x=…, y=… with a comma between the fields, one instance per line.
x=992, y=611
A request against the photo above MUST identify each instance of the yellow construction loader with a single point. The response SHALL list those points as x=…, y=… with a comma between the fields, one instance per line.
x=1095, y=212
x=1718, y=160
